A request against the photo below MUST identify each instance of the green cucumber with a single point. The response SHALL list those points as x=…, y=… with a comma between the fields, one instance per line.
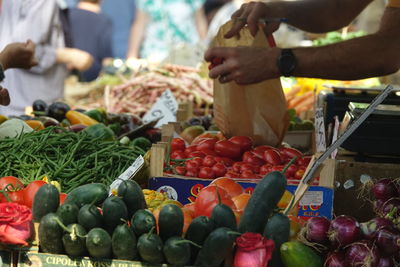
x=177, y=251
x=50, y=234
x=223, y=216
x=94, y=193
x=262, y=202
x=198, y=231
x=114, y=213
x=98, y=243
x=216, y=247
x=68, y=213
x=170, y=221
x=89, y=216
x=133, y=196
x=150, y=248
x=277, y=229
x=74, y=241
x=124, y=243
x=46, y=200
x=299, y=255
x=142, y=222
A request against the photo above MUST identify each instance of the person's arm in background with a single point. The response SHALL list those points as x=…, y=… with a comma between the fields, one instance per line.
x=137, y=34
x=201, y=23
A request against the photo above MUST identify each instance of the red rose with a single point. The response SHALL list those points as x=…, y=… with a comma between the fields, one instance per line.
x=15, y=224
x=252, y=249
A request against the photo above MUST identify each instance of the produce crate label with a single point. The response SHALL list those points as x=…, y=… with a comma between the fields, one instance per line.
x=320, y=130
x=165, y=108
x=5, y=258
x=128, y=173
x=318, y=200
x=34, y=259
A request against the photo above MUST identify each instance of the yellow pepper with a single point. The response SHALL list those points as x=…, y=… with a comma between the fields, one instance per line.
x=35, y=124
x=75, y=117
x=3, y=119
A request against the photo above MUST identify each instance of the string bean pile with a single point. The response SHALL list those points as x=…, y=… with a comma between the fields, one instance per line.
x=70, y=158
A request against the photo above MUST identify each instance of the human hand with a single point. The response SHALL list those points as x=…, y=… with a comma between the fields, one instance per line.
x=75, y=58
x=4, y=97
x=244, y=65
x=18, y=55
x=251, y=14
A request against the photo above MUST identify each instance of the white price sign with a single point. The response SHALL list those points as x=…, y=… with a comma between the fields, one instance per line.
x=312, y=198
x=320, y=130
x=128, y=173
x=164, y=108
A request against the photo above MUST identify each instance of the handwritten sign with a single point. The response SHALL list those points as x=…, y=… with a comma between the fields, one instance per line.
x=320, y=137
x=165, y=108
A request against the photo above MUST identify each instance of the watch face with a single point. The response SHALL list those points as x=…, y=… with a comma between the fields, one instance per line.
x=287, y=64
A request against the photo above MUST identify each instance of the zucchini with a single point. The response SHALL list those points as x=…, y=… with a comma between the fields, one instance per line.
x=198, y=231
x=114, y=213
x=170, y=221
x=132, y=195
x=150, y=248
x=68, y=213
x=262, y=202
x=89, y=216
x=142, y=222
x=223, y=216
x=216, y=247
x=46, y=200
x=299, y=255
x=94, y=193
x=124, y=243
x=75, y=242
x=277, y=229
x=98, y=243
x=177, y=251
x=50, y=234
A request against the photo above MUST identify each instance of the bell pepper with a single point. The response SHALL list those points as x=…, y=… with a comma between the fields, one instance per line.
x=100, y=131
x=116, y=128
x=76, y=117
x=35, y=124
x=141, y=142
x=3, y=119
x=98, y=114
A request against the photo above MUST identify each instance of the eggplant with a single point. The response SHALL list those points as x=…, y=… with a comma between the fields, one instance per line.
x=57, y=110
x=39, y=105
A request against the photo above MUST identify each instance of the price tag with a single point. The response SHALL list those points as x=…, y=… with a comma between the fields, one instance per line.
x=128, y=173
x=165, y=108
x=312, y=198
x=320, y=130
x=335, y=135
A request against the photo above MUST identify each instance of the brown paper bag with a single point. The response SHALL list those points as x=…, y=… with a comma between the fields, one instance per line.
x=256, y=110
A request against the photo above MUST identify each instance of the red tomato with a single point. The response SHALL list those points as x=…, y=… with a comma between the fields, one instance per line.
x=229, y=185
x=207, y=143
x=232, y=174
x=249, y=157
x=14, y=181
x=206, y=172
x=227, y=149
x=190, y=149
x=208, y=198
x=249, y=167
x=181, y=170
x=299, y=174
x=178, y=155
x=16, y=196
x=248, y=174
x=192, y=173
x=273, y=157
x=198, y=160
x=197, y=154
x=63, y=196
x=30, y=192
x=192, y=165
x=244, y=142
x=219, y=169
x=303, y=161
x=208, y=152
x=290, y=172
x=278, y=168
x=236, y=167
x=178, y=144
x=209, y=161
x=290, y=152
x=227, y=162
x=263, y=148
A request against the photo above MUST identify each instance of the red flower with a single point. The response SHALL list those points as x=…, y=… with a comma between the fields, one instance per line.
x=15, y=224
x=253, y=250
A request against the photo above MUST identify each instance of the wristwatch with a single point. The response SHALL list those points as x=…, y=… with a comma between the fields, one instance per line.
x=1, y=73
x=287, y=62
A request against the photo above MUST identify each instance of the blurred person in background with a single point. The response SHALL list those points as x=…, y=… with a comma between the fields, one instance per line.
x=39, y=21
x=162, y=24
x=91, y=32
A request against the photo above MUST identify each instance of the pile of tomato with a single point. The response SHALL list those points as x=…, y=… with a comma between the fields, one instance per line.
x=236, y=157
x=18, y=193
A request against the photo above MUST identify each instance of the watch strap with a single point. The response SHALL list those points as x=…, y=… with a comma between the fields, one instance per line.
x=287, y=62
x=2, y=76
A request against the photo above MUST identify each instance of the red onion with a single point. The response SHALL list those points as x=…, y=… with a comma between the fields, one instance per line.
x=335, y=259
x=317, y=230
x=385, y=262
x=388, y=241
x=344, y=230
x=369, y=229
x=392, y=204
x=362, y=253
x=378, y=204
x=384, y=189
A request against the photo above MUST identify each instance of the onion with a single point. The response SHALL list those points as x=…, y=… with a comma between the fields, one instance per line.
x=385, y=262
x=335, y=259
x=388, y=241
x=362, y=253
x=378, y=204
x=344, y=230
x=391, y=205
x=384, y=189
x=369, y=229
x=317, y=230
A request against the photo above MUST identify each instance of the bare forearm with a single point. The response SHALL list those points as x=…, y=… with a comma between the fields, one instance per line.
x=136, y=35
